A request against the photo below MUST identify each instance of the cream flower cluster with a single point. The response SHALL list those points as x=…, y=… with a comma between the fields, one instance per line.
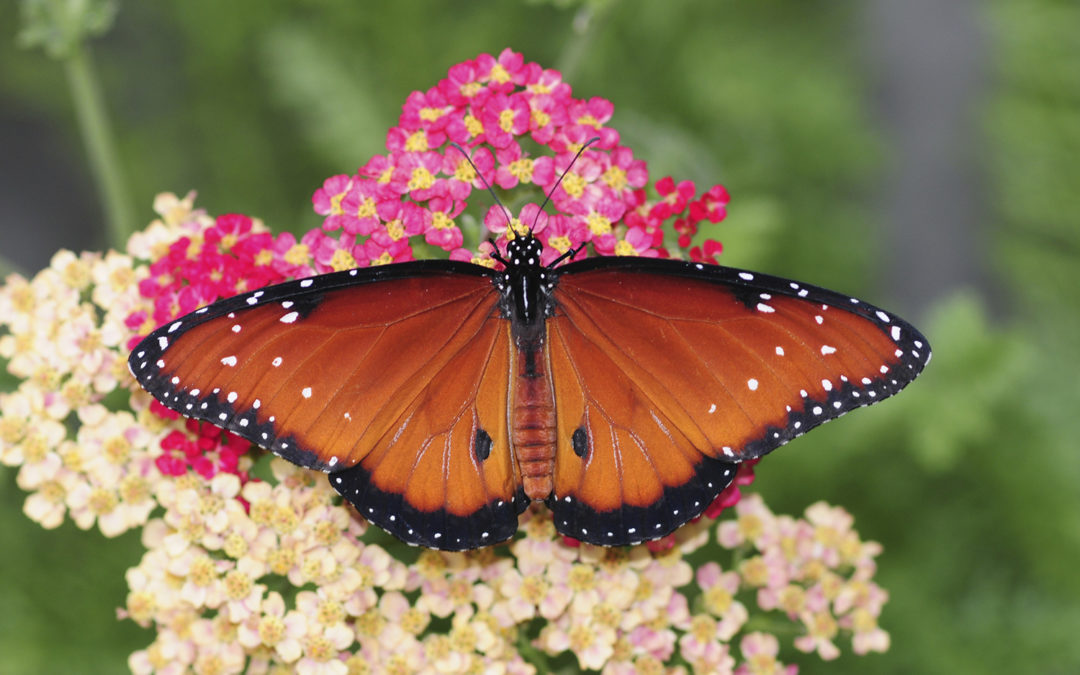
x=243, y=574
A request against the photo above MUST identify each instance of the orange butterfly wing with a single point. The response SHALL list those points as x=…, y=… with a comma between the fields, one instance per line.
x=667, y=374
x=394, y=381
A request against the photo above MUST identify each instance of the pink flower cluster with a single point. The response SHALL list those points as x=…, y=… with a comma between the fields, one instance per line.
x=227, y=258
x=496, y=109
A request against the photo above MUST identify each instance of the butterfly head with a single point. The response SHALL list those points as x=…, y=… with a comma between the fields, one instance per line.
x=523, y=253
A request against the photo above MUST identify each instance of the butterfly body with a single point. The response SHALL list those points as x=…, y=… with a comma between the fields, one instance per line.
x=443, y=397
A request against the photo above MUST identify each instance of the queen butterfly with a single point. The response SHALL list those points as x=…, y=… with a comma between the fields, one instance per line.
x=442, y=397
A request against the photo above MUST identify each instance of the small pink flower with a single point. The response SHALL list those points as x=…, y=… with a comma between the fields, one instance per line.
x=327, y=201
x=531, y=219
x=505, y=117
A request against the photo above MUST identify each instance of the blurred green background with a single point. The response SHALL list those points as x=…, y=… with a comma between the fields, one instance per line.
x=923, y=155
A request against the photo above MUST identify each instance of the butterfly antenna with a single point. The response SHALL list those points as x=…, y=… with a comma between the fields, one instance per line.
x=506, y=214
x=547, y=199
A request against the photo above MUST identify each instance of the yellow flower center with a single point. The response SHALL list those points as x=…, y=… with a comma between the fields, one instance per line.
x=117, y=449
x=237, y=585
x=202, y=572
x=750, y=526
x=589, y=120
x=540, y=118
x=298, y=254
x=560, y=244
x=441, y=221
x=330, y=612
x=342, y=260
x=574, y=185
x=474, y=126
x=102, y=501
x=615, y=178
x=718, y=600
x=792, y=599
x=417, y=141
x=320, y=649
x=703, y=628
x=598, y=223
x=464, y=172
x=506, y=120
x=522, y=169
x=271, y=630
x=624, y=248
x=534, y=588
x=335, y=203
x=429, y=114
x=421, y=179
x=582, y=578
x=499, y=74
x=284, y=520
x=754, y=571
x=235, y=546
x=395, y=229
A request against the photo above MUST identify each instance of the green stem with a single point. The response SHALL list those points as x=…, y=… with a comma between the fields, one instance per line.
x=586, y=24
x=100, y=146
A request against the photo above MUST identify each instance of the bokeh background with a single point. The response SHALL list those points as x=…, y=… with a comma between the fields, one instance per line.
x=924, y=155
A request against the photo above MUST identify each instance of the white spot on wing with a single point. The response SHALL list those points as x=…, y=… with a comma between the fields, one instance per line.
x=895, y=333
x=779, y=350
x=163, y=343
x=746, y=276
x=752, y=384
x=762, y=307
x=305, y=283
x=306, y=392
x=290, y=317
x=712, y=408
x=826, y=350
x=229, y=361
x=883, y=316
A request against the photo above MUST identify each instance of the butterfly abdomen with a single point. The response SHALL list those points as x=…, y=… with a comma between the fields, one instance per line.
x=532, y=422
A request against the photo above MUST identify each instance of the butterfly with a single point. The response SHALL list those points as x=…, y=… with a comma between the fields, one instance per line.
x=443, y=397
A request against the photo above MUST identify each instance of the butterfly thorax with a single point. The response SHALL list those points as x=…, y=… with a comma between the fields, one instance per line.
x=526, y=292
